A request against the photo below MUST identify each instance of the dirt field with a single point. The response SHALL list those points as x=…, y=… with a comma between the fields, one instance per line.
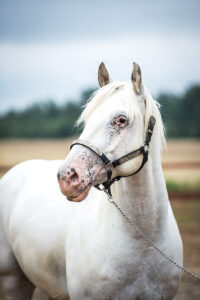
x=15, y=151
x=188, y=217
x=181, y=162
x=181, y=159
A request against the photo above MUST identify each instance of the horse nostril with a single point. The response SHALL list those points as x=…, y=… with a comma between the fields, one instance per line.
x=58, y=175
x=74, y=177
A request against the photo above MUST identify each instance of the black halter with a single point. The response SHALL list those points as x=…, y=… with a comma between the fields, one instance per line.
x=142, y=150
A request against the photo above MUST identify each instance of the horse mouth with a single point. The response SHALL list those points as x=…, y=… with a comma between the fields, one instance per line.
x=81, y=196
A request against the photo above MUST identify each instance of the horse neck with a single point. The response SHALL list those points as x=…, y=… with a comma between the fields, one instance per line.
x=143, y=197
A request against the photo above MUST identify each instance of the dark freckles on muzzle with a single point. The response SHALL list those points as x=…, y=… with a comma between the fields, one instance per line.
x=77, y=177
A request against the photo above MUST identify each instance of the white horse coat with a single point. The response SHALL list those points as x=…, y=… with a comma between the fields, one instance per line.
x=86, y=250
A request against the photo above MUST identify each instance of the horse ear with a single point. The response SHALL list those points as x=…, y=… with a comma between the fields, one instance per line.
x=103, y=75
x=136, y=78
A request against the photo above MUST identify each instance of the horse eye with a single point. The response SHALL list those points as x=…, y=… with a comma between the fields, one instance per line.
x=121, y=121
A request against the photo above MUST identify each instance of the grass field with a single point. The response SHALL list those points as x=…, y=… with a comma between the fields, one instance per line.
x=181, y=162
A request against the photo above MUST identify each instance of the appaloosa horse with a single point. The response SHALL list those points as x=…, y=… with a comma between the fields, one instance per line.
x=85, y=249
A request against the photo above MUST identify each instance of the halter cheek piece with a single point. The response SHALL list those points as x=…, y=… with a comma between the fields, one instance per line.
x=142, y=150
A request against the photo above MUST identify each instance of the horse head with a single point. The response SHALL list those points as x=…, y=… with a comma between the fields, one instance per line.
x=114, y=122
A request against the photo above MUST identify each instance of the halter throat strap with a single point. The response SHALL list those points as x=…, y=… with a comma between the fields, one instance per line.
x=144, y=150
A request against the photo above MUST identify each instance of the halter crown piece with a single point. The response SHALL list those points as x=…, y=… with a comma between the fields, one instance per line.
x=144, y=150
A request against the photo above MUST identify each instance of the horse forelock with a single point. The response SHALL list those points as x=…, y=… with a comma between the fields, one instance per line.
x=132, y=104
x=97, y=98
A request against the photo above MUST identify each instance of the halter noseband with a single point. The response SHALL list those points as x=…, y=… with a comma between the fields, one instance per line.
x=142, y=150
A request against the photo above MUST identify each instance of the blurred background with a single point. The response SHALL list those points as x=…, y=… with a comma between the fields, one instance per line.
x=49, y=56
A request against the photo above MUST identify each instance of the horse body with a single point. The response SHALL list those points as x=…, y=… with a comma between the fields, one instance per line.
x=60, y=245
x=87, y=250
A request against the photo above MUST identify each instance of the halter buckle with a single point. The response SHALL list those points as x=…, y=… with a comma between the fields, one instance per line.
x=146, y=148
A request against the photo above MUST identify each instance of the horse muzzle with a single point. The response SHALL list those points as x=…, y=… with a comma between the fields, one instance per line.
x=77, y=176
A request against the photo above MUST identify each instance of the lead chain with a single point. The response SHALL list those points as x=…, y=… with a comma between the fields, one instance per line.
x=150, y=242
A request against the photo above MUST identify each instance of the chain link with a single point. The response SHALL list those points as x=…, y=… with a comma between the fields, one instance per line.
x=150, y=242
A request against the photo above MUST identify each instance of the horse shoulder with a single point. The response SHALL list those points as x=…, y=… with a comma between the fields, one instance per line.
x=34, y=215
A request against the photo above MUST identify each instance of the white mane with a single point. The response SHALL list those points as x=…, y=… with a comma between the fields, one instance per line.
x=152, y=106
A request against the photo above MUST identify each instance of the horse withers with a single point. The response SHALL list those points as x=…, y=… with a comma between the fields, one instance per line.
x=83, y=248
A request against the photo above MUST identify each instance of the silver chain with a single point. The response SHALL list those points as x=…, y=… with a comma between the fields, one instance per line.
x=150, y=242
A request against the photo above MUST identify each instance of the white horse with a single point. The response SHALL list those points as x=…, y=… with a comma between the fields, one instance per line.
x=87, y=250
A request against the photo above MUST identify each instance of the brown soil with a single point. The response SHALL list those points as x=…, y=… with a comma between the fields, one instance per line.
x=184, y=195
x=188, y=217
x=189, y=287
x=181, y=165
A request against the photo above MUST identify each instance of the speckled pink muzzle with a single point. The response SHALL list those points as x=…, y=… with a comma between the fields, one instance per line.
x=81, y=170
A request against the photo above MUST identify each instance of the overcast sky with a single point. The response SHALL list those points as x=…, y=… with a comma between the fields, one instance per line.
x=52, y=48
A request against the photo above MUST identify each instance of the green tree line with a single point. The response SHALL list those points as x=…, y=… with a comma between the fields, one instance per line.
x=48, y=120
